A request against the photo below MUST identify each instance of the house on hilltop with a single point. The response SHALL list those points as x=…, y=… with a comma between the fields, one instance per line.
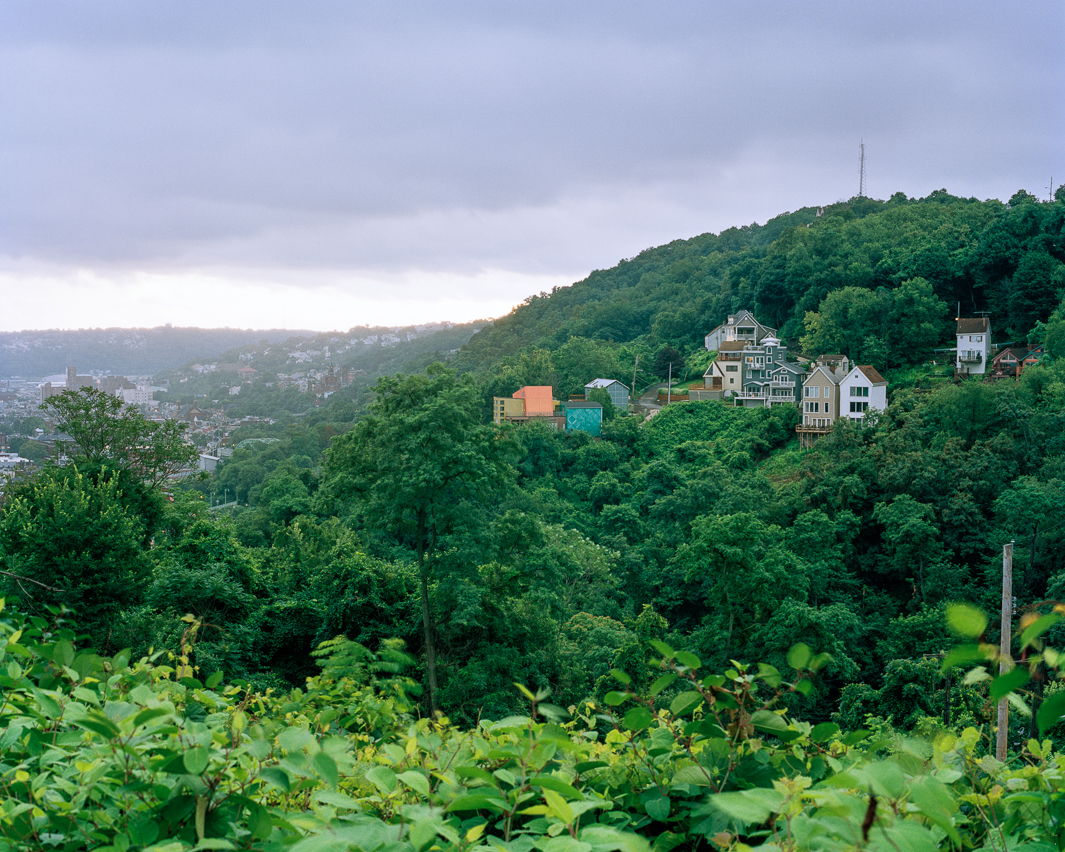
x=974, y=346
x=618, y=393
x=861, y=390
x=767, y=377
x=740, y=327
x=821, y=398
x=532, y=402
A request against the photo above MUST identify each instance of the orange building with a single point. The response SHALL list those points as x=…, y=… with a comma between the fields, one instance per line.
x=539, y=400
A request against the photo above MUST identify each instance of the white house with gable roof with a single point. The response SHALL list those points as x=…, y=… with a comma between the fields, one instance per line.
x=861, y=390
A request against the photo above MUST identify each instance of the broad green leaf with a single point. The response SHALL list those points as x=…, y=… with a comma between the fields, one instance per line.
x=98, y=725
x=749, y=806
x=549, y=782
x=422, y=833
x=657, y=807
x=638, y=718
x=383, y=778
x=295, y=739
x=477, y=802
x=613, y=699
x=662, y=682
x=604, y=838
x=49, y=706
x=1006, y=683
x=961, y=655
x=564, y=843
x=276, y=777
x=855, y=737
x=337, y=800
x=824, y=732
x=662, y=648
x=196, y=759
x=694, y=775
x=966, y=620
x=1050, y=712
x=326, y=768
x=416, y=781
x=936, y=803
x=214, y=679
x=685, y=703
x=1037, y=628
x=770, y=675
x=149, y=713
x=667, y=840
x=558, y=806
x=686, y=658
x=768, y=721
x=799, y=656
x=620, y=676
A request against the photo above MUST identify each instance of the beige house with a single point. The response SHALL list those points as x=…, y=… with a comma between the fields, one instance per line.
x=726, y=371
x=821, y=398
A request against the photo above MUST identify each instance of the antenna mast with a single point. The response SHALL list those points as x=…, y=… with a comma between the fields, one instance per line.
x=861, y=165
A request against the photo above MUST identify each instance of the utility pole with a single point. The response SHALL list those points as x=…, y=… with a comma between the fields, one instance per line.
x=669, y=384
x=1004, y=647
x=861, y=169
x=635, y=367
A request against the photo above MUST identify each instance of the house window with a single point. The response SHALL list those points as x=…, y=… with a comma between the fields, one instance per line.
x=859, y=391
x=731, y=368
x=859, y=407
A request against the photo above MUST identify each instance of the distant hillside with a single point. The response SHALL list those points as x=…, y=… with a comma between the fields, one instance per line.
x=137, y=351
x=147, y=351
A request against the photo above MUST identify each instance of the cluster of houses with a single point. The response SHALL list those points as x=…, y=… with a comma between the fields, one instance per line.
x=974, y=353
x=537, y=403
x=752, y=369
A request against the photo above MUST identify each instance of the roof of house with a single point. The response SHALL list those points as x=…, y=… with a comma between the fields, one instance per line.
x=731, y=346
x=871, y=374
x=581, y=403
x=827, y=372
x=973, y=325
x=1018, y=352
x=604, y=383
x=534, y=392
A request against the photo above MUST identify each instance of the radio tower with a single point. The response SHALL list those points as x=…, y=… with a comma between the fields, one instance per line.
x=861, y=163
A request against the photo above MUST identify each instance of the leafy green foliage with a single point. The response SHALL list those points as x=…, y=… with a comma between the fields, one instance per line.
x=107, y=431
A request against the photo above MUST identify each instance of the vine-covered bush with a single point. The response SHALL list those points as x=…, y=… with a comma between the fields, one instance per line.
x=107, y=753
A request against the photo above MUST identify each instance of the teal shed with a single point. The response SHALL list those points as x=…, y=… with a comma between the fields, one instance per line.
x=584, y=416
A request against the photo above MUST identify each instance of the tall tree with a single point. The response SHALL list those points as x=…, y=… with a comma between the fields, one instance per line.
x=421, y=469
x=106, y=431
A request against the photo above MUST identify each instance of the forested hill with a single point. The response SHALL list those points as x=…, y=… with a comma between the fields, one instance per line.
x=1005, y=258
x=142, y=351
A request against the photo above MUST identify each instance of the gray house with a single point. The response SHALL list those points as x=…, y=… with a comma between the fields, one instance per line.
x=740, y=327
x=619, y=393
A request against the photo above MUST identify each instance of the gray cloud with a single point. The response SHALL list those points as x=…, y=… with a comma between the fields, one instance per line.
x=539, y=138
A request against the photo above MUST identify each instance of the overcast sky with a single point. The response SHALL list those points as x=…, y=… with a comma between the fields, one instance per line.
x=330, y=164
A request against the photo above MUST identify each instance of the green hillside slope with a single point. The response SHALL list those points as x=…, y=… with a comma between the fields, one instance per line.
x=981, y=256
